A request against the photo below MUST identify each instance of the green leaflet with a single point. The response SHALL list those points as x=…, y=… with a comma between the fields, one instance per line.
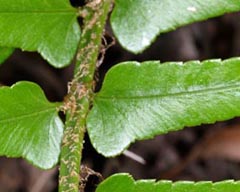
x=5, y=53
x=124, y=182
x=136, y=23
x=141, y=100
x=49, y=27
x=29, y=125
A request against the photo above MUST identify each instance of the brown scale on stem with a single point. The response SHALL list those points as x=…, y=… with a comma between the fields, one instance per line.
x=80, y=94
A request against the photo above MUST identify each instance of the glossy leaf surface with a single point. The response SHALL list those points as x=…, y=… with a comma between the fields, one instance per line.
x=141, y=100
x=5, y=53
x=29, y=125
x=49, y=27
x=136, y=23
x=124, y=182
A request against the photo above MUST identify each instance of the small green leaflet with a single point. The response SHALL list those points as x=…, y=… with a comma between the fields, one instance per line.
x=136, y=23
x=49, y=27
x=141, y=100
x=29, y=125
x=124, y=182
x=5, y=53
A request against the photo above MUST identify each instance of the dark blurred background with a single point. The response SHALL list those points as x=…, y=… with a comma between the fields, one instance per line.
x=207, y=152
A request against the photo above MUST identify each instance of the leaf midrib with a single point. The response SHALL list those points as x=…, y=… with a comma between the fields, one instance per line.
x=181, y=93
x=27, y=115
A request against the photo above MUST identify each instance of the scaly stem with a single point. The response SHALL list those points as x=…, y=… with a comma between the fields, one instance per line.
x=80, y=94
